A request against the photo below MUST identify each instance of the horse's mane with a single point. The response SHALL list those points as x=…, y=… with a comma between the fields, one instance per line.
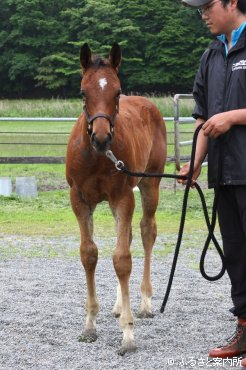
x=99, y=61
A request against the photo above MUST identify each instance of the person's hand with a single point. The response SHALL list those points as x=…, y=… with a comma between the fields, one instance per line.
x=185, y=172
x=217, y=125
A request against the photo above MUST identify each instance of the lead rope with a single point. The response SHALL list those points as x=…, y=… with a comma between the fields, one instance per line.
x=121, y=167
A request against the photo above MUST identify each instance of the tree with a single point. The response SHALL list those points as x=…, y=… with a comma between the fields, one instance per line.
x=165, y=52
x=97, y=23
x=161, y=43
x=33, y=30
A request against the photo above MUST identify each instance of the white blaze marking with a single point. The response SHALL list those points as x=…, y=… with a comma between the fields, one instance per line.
x=102, y=83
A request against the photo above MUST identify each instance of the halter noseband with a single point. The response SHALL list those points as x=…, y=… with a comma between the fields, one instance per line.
x=111, y=119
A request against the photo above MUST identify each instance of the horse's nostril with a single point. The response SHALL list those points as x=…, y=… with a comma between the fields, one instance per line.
x=109, y=137
x=94, y=140
x=101, y=144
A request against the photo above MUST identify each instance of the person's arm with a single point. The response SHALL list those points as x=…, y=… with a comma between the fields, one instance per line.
x=222, y=122
x=201, y=151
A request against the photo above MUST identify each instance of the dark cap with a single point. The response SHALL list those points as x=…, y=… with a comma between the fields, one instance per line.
x=196, y=3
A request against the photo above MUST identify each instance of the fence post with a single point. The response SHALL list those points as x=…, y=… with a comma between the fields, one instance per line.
x=177, y=120
x=176, y=131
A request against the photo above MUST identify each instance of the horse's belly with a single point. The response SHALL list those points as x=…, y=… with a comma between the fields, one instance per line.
x=96, y=189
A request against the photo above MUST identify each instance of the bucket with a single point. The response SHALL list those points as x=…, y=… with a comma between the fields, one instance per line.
x=26, y=187
x=5, y=186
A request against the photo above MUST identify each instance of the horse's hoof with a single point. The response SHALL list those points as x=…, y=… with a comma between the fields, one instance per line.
x=127, y=349
x=116, y=314
x=117, y=311
x=88, y=336
x=145, y=315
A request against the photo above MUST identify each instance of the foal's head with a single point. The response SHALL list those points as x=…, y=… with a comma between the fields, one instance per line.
x=101, y=90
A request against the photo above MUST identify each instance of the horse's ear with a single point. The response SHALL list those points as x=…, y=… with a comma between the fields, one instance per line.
x=115, y=56
x=85, y=56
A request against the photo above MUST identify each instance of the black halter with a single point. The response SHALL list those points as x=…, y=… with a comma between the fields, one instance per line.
x=111, y=119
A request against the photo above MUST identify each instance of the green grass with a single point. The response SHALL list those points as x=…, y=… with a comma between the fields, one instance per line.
x=73, y=107
x=25, y=137
x=51, y=214
x=50, y=219
x=20, y=139
x=48, y=215
x=52, y=176
x=48, y=176
x=40, y=108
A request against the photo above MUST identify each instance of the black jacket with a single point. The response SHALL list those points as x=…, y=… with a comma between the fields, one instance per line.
x=220, y=85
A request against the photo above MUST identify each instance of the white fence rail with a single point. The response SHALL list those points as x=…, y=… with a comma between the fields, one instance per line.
x=177, y=120
x=69, y=119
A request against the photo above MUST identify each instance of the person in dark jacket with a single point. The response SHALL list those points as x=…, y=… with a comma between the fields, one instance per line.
x=220, y=95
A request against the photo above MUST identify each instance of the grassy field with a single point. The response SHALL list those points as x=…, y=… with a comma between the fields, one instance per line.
x=50, y=139
x=27, y=138
x=50, y=220
x=73, y=107
x=50, y=215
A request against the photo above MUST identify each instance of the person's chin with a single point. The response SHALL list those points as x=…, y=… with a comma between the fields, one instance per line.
x=212, y=30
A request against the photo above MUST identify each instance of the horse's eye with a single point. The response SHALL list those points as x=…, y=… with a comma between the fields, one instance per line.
x=82, y=94
x=118, y=94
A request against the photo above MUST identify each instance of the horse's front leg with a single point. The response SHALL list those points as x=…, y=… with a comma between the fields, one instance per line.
x=89, y=256
x=123, y=210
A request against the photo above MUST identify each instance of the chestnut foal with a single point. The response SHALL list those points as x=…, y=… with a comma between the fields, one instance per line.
x=133, y=128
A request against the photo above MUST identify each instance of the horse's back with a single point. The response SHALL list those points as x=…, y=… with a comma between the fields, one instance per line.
x=143, y=107
x=144, y=126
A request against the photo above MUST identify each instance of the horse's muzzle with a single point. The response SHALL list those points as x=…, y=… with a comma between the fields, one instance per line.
x=101, y=144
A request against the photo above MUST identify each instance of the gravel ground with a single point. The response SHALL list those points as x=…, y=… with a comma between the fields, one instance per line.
x=42, y=315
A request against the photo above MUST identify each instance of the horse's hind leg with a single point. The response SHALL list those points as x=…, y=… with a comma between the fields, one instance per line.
x=123, y=210
x=89, y=255
x=149, y=188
